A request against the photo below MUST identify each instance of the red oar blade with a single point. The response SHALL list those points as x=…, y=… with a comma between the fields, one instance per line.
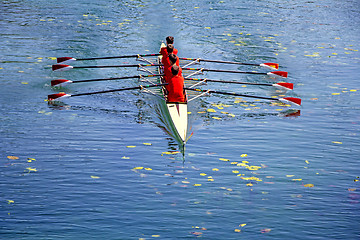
x=57, y=96
x=64, y=60
x=271, y=66
x=61, y=67
x=284, y=85
x=278, y=74
x=292, y=100
x=60, y=82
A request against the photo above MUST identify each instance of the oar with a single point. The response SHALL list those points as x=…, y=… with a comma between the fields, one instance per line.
x=287, y=86
x=272, y=74
x=63, y=67
x=273, y=66
x=71, y=59
x=58, y=96
x=296, y=101
x=64, y=82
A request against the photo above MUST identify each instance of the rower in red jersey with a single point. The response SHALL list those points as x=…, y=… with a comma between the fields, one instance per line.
x=169, y=40
x=173, y=60
x=176, y=86
x=165, y=56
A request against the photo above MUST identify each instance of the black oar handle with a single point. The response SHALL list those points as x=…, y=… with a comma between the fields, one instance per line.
x=127, y=56
x=227, y=71
x=118, y=78
x=233, y=94
x=120, y=89
x=231, y=71
x=223, y=81
x=218, y=61
x=116, y=66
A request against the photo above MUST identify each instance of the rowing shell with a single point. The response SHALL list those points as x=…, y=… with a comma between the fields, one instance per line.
x=175, y=113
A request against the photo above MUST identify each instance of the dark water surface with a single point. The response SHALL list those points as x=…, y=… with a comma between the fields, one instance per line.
x=99, y=167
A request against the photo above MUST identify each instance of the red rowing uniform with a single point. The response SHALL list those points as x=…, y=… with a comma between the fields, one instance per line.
x=163, y=51
x=166, y=62
x=176, y=89
x=168, y=73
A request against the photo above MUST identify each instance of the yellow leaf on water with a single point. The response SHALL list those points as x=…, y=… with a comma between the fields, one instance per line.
x=148, y=169
x=203, y=174
x=243, y=155
x=290, y=175
x=224, y=159
x=24, y=83
x=170, y=153
x=217, y=118
x=95, y=177
x=197, y=184
x=130, y=146
x=138, y=168
x=12, y=157
x=337, y=142
x=147, y=144
x=242, y=165
x=335, y=94
x=237, y=230
x=215, y=169
x=242, y=225
x=10, y=201
x=298, y=179
x=207, y=27
x=125, y=157
x=31, y=169
x=307, y=161
x=211, y=110
x=235, y=171
x=155, y=236
x=309, y=185
x=253, y=168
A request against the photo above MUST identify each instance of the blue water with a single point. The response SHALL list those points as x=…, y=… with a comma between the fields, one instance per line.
x=100, y=167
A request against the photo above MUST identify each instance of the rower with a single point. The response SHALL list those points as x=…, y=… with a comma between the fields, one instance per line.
x=165, y=59
x=176, y=86
x=165, y=55
x=172, y=60
x=169, y=40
